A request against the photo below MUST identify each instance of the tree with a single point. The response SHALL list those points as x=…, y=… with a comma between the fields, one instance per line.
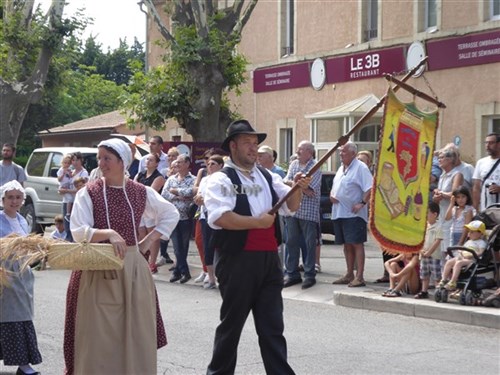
x=27, y=43
x=201, y=65
x=85, y=95
x=116, y=64
x=77, y=86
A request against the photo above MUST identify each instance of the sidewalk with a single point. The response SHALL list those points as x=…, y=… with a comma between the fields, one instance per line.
x=368, y=297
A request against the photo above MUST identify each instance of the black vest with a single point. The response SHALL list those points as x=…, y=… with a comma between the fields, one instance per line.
x=233, y=241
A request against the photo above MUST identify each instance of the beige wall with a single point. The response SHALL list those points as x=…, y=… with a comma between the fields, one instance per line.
x=317, y=30
x=396, y=26
x=262, y=37
x=465, y=13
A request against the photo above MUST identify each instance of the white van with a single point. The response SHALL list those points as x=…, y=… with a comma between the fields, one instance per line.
x=43, y=202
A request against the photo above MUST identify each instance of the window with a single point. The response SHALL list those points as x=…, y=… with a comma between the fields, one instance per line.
x=495, y=125
x=495, y=9
x=36, y=165
x=371, y=20
x=366, y=138
x=286, y=146
x=327, y=130
x=287, y=27
x=430, y=18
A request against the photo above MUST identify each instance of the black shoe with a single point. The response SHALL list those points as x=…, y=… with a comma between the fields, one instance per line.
x=291, y=282
x=168, y=260
x=21, y=372
x=308, y=283
x=175, y=277
x=171, y=268
x=185, y=278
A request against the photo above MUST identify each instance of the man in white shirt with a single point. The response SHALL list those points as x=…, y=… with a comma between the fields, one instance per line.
x=486, y=178
x=350, y=193
x=466, y=169
x=155, y=147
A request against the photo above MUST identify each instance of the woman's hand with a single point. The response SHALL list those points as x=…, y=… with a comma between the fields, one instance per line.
x=118, y=244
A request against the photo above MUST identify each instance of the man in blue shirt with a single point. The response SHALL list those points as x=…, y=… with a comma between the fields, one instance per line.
x=266, y=159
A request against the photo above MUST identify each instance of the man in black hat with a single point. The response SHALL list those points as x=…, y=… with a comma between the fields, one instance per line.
x=238, y=199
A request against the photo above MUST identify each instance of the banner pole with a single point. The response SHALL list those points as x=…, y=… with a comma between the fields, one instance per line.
x=413, y=90
x=343, y=139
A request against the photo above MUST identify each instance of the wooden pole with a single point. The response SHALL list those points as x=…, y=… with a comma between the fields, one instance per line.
x=343, y=139
x=413, y=90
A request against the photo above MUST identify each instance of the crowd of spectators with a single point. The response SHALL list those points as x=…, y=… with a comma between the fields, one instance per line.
x=211, y=200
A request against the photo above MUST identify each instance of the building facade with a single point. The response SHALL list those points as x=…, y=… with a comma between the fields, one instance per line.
x=317, y=66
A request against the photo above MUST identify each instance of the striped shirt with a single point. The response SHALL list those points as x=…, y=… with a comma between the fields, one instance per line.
x=309, y=207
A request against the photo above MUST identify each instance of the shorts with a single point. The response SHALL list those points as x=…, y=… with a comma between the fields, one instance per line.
x=430, y=267
x=350, y=230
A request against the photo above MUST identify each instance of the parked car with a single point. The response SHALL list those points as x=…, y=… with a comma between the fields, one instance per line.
x=43, y=201
x=325, y=206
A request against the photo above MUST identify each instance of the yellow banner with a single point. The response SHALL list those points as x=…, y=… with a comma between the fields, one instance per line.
x=400, y=194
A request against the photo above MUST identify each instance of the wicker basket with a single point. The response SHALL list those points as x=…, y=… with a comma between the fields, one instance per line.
x=83, y=256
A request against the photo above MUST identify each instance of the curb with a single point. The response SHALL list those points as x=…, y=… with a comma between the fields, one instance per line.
x=369, y=298
x=427, y=309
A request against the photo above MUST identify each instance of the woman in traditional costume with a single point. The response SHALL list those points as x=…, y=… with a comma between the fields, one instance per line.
x=18, y=343
x=113, y=323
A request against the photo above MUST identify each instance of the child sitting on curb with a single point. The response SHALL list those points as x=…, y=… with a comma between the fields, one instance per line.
x=430, y=256
x=403, y=271
x=454, y=265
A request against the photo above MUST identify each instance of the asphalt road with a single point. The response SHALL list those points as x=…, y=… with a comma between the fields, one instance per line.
x=322, y=338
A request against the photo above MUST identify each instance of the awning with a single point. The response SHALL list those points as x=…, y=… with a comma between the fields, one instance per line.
x=356, y=107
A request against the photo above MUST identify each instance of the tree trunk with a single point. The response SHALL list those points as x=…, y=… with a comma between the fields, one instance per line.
x=14, y=103
x=16, y=97
x=211, y=84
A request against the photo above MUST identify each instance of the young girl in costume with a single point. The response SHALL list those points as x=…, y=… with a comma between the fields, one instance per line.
x=18, y=343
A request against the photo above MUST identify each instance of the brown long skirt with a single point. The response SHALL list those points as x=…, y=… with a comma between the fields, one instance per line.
x=115, y=327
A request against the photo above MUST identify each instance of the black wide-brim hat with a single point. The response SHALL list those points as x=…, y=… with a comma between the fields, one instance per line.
x=240, y=127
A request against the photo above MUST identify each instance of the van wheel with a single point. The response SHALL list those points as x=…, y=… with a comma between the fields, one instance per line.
x=28, y=211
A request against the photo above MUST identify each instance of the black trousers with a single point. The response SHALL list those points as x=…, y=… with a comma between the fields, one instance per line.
x=250, y=281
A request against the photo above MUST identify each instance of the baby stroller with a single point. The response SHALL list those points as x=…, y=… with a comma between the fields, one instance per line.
x=470, y=284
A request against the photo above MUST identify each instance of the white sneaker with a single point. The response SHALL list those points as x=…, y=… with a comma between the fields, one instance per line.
x=206, y=279
x=210, y=285
x=317, y=267
x=200, y=278
x=161, y=262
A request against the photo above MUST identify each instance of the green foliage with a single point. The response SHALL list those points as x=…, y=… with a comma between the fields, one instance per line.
x=219, y=49
x=113, y=65
x=85, y=94
x=18, y=44
x=171, y=91
x=160, y=90
x=21, y=40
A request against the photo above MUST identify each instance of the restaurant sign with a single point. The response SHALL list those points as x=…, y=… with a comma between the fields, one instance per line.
x=281, y=77
x=365, y=65
x=338, y=69
x=462, y=51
